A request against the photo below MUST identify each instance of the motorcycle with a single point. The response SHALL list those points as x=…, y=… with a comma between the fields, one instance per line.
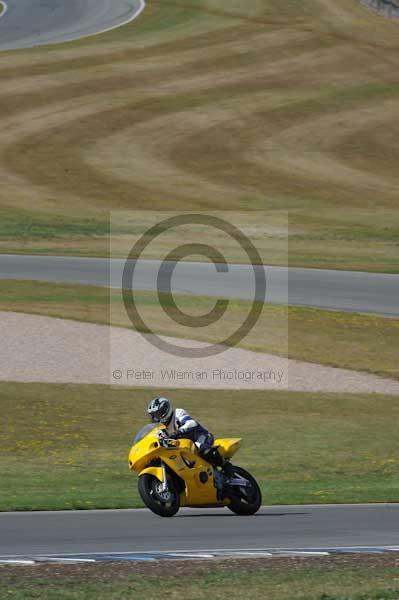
x=172, y=474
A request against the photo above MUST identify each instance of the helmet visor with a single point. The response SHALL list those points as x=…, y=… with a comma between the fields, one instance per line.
x=161, y=414
x=155, y=416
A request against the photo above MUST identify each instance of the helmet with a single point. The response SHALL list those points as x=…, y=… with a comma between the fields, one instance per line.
x=160, y=410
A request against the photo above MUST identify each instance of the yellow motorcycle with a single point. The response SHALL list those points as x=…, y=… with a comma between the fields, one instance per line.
x=172, y=474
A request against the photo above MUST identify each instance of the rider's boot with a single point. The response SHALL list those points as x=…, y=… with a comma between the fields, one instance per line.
x=225, y=465
x=213, y=456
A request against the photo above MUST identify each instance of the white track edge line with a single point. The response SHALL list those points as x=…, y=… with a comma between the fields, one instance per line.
x=232, y=551
x=5, y=8
x=64, y=559
x=132, y=17
x=16, y=562
x=135, y=15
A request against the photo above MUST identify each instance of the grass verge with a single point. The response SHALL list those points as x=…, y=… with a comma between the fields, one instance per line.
x=346, y=340
x=336, y=578
x=203, y=105
x=65, y=446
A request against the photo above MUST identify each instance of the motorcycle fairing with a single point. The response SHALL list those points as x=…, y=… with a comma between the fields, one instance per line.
x=227, y=446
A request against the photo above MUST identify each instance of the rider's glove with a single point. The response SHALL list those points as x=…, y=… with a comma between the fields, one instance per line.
x=174, y=435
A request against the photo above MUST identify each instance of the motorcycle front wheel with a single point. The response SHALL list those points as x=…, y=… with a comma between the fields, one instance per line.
x=251, y=499
x=164, y=504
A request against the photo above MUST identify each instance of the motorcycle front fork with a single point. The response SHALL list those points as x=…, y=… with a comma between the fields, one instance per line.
x=164, y=487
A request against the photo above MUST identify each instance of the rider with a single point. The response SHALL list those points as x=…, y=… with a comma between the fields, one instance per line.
x=179, y=424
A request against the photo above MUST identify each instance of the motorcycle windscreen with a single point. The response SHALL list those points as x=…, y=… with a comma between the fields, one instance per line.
x=144, y=431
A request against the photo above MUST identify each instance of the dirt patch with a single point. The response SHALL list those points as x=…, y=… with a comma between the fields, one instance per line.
x=119, y=572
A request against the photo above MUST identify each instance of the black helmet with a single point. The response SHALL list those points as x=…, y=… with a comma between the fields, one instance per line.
x=160, y=410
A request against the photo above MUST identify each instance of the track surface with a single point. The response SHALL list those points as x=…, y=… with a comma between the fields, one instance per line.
x=24, y=534
x=28, y=23
x=337, y=290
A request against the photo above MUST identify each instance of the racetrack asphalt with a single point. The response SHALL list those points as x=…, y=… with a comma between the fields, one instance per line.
x=374, y=293
x=28, y=23
x=275, y=527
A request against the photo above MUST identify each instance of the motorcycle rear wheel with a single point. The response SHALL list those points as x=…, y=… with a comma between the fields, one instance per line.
x=158, y=502
x=251, y=505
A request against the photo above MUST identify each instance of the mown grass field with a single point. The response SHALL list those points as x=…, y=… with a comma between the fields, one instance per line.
x=347, y=340
x=66, y=446
x=210, y=104
x=335, y=578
